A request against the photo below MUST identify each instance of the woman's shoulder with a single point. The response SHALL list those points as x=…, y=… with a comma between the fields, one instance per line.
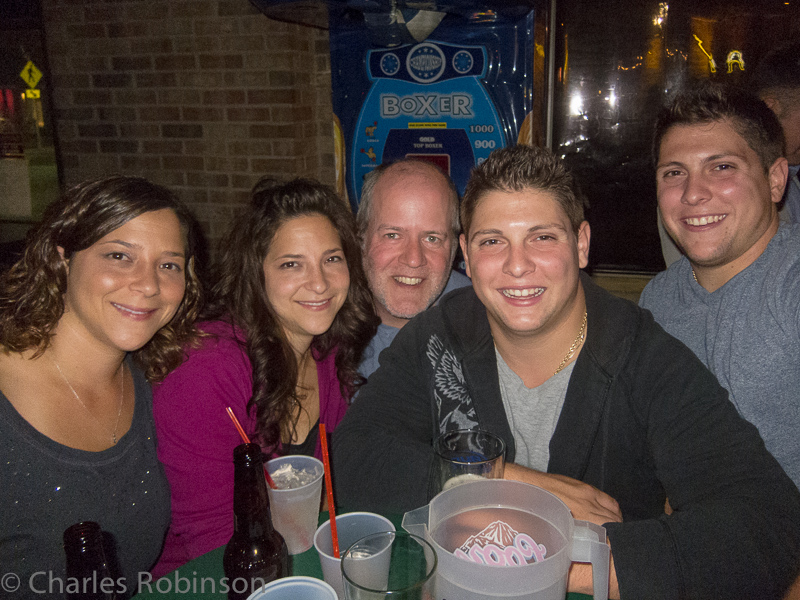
x=22, y=385
x=218, y=337
x=222, y=329
x=220, y=348
x=217, y=368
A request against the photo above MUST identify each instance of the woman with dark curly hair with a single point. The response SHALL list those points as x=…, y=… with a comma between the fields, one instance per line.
x=289, y=316
x=103, y=299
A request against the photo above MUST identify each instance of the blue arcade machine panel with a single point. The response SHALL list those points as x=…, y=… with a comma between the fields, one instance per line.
x=450, y=99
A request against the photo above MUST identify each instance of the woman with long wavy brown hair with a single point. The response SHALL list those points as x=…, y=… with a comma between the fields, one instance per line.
x=103, y=299
x=289, y=316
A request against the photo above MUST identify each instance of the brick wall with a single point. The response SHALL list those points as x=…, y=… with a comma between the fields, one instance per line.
x=203, y=96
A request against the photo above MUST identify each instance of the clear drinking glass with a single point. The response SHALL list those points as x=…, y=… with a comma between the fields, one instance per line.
x=390, y=566
x=465, y=455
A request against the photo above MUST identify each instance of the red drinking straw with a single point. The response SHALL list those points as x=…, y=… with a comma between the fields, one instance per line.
x=247, y=441
x=323, y=439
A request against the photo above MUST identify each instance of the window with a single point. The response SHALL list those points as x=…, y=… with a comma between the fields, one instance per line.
x=28, y=168
x=617, y=63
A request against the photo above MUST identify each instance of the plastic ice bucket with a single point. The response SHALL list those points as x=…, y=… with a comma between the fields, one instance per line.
x=506, y=539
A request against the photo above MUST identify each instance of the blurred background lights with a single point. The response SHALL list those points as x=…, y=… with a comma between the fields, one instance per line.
x=661, y=15
x=576, y=104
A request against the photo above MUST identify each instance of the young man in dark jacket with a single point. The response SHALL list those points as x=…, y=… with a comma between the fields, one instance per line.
x=596, y=404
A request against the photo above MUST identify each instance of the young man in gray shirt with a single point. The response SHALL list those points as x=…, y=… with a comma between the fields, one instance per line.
x=734, y=298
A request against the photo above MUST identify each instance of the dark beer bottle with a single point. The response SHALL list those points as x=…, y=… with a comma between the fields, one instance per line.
x=256, y=553
x=88, y=573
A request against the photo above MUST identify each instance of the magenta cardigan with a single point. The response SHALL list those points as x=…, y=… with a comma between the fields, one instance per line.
x=196, y=439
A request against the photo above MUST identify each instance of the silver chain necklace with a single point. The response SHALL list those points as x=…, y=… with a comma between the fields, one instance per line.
x=86, y=408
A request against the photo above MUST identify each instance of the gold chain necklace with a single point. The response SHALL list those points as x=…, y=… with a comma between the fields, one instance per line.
x=86, y=408
x=578, y=341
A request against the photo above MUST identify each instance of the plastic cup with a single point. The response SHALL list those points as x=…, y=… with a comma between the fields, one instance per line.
x=350, y=528
x=295, y=588
x=464, y=455
x=295, y=512
x=396, y=565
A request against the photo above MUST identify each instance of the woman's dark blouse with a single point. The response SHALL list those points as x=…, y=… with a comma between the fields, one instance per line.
x=46, y=487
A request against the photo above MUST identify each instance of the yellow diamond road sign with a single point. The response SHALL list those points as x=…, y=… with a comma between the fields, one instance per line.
x=31, y=75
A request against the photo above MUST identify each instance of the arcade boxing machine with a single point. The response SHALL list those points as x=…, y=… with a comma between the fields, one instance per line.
x=447, y=84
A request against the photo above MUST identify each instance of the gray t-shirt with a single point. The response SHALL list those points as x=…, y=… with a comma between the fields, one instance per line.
x=532, y=412
x=748, y=333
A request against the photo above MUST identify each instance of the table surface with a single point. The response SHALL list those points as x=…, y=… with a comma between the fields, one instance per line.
x=200, y=579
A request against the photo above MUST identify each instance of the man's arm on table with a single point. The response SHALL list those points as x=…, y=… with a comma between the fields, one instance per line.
x=587, y=503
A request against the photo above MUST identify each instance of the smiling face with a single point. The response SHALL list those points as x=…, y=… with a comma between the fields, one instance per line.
x=524, y=258
x=715, y=198
x=306, y=278
x=128, y=284
x=408, y=246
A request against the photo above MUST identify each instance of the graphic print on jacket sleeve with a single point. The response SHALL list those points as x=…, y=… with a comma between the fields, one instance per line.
x=454, y=408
